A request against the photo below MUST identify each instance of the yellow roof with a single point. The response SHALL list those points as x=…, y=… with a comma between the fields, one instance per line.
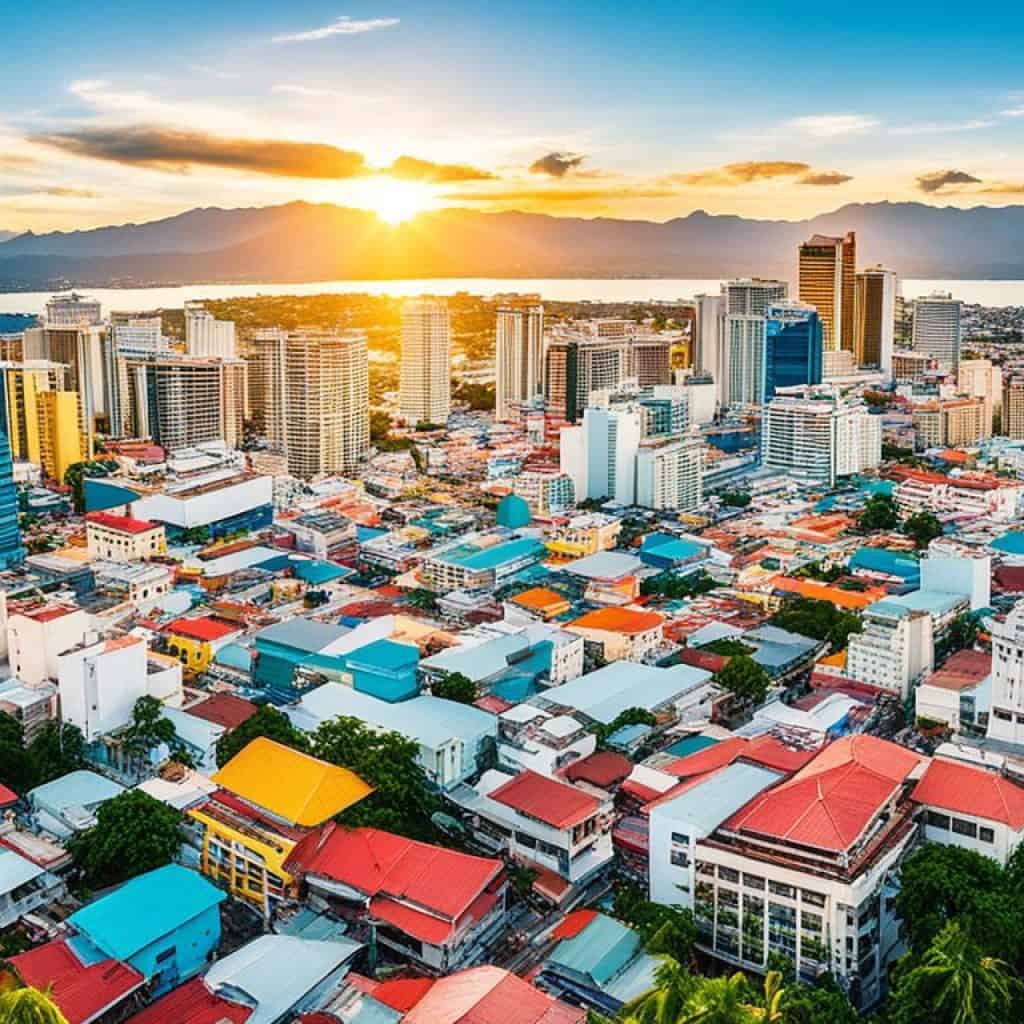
x=291, y=785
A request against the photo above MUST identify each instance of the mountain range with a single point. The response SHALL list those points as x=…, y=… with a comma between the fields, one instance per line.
x=304, y=242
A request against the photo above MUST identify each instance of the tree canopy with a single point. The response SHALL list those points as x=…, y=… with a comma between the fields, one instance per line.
x=922, y=528
x=666, y=931
x=879, y=513
x=819, y=620
x=456, y=686
x=267, y=721
x=747, y=681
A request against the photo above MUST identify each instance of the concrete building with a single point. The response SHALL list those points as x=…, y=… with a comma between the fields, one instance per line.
x=425, y=380
x=546, y=491
x=207, y=336
x=12, y=552
x=828, y=282
x=265, y=362
x=583, y=357
x=747, y=296
x=600, y=454
x=979, y=378
x=875, y=334
x=956, y=423
x=816, y=434
x=72, y=309
x=123, y=539
x=178, y=402
x=620, y=634
x=519, y=357
x=937, y=329
x=1006, y=720
x=909, y=367
x=710, y=327
x=36, y=637
x=743, y=360
x=894, y=651
x=669, y=473
x=793, y=348
x=43, y=421
x=1013, y=408
x=135, y=336
x=479, y=561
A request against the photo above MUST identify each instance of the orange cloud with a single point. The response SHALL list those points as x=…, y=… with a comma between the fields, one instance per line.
x=411, y=168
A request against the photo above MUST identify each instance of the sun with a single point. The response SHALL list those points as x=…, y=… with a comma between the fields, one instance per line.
x=392, y=201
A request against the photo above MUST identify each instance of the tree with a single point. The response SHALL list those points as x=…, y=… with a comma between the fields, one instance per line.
x=955, y=981
x=25, y=1005
x=735, y=499
x=147, y=729
x=629, y=716
x=722, y=1000
x=422, y=599
x=15, y=766
x=380, y=425
x=879, y=513
x=668, y=1002
x=665, y=931
x=820, y=620
x=822, y=1003
x=133, y=834
x=401, y=801
x=267, y=721
x=963, y=633
x=58, y=749
x=74, y=477
x=747, y=681
x=922, y=528
x=457, y=687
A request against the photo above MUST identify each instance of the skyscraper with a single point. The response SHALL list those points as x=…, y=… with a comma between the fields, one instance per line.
x=326, y=402
x=425, y=380
x=207, y=336
x=177, y=402
x=73, y=310
x=937, y=328
x=708, y=335
x=828, y=281
x=583, y=357
x=669, y=473
x=743, y=360
x=519, y=357
x=42, y=417
x=11, y=550
x=875, y=336
x=793, y=347
x=600, y=454
x=264, y=356
x=751, y=296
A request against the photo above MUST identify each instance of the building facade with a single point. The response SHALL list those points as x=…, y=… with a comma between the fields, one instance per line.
x=519, y=358
x=937, y=329
x=425, y=375
x=875, y=334
x=793, y=348
x=828, y=281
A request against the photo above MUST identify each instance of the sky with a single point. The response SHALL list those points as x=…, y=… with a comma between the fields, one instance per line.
x=114, y=111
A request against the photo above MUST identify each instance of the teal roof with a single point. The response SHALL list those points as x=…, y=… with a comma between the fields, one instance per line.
x=311, y=570
x=600, y=951
x=934, y=601
x=513, y=512
x=892, y=563
x=1012, y=543
x=481, y=559
x=384, y=654
x=145, y=909
x=690, y=745
x=234, y=656
x=664, y=545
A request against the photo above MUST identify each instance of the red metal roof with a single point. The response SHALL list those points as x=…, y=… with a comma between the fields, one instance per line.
x=428, y=928
x=193, y=1003
x=604, y=768
x=555, y=803
x=202, y=628
x=772, y=753
x=7, y=796
x=974, y=791
x=224, y=709
x=573, y=924
x=709, y=759
x=382, y=864
x=400, y=994
x=82, y=992
x=123, y=524
x=962, y=670
x=830, y=801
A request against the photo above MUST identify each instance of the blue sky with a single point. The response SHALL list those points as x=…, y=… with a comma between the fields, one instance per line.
x=111, y=111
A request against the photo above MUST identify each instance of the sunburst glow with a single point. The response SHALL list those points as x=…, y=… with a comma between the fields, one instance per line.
x=392, y=201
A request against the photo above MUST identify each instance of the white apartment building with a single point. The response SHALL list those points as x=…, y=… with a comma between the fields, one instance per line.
x=937, y=329
x=669, y=474
x=425, y=376
x=600, y=454
x=1006, y=718
x=37, y=637
x=707, y=356
x=955, y=568
x=73, y=310
x=895, y=651
x=532, y=739
x=808, y=869
x=519, y=358
x=816, y=435
x=751, y=296
x=207, y=336
x=743, y=360
x=139, y=336
x=123, y=539
x=546, y=491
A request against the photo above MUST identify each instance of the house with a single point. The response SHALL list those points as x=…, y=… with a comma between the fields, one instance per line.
x=537, y=603
x=542, y=822
x=122, y=538
x=267, y=981
x=68, y=805
x=970, y=807
x=452, y=737
x=164, y=924
x=437, y=907
x=195, y=641
x=620, y=634
x=532, y=738
x=24, y=887
x=270, y=797
x=37, y=636
x=597, y=962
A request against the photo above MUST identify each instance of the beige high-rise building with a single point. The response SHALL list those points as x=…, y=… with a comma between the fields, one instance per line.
x=1013, y=408
x=518, y=356
x=233, y=400
x=264, y=357
x=326, y=402
x=979, y=378
x=875, y=333
x=828, y=281
x=425, y=379
x=956, y=423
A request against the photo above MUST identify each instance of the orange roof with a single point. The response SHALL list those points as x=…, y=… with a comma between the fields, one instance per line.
x=540, y=599
x=619, y=620
x=837, y=660
x=961, y=671
x=974, y=791
x=849, y=599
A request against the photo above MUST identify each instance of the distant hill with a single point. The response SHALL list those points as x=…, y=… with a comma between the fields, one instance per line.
x=304, y=242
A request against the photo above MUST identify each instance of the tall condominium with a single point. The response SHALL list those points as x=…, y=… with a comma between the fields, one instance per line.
x=519, y=357
x=937, y=328
x=669, y=473
x=875, y=336
x=11, y=550
x=42, y=417
x=828, y=281
x=600, y=454
x=651, y=353
x=583, y=357
x=177, y=402
x=265, y=358
x=816, y=435
x=1013, y=408
x=743, y=360
x=793, y=347
x=980, y=378
x=138, y=335
x=425, y=380
x=73, y=310
x=205, y=335
x=708, y=335
x=326, y=402
x=751, y=296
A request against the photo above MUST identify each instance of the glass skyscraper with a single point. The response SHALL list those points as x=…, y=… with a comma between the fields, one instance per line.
x=793, y=347
x=11, y=550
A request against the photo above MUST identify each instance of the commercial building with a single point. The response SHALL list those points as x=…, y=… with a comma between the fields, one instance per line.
x=980, y=378
x=600, y=454
x=937, y=329
x=956, y=423
x=72, y=309
x=479, y=561
x=746, y=296
x=817, y=435
x=910, y=367
x=43, y=417
x=894, y=651
x=828, y=282
x=620, y=634
x=743, y=347
x=1013, y=408
x=709, y=329
x=546, y=491
x=138, y=336
x=11, y=550
x=519, y=357
x=425, y=374
x=875, y=335
x=265, y=361
x=207, y=336
x=123, y=539
x=1006, y=719
x=669, y=473
x=793, y=348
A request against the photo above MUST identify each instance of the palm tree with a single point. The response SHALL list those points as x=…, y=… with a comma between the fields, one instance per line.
x=666, y=1003
x=774, y=991
x=682, y=998
x=954, y=981
x=20, y=1004
x=721, y=1001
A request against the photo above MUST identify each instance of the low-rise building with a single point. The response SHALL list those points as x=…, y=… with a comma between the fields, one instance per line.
x=37, y=637
x=530, y=738
x=24, y=887
x=620, y=633
x=68, y=805
x=122, y=538
x=959, y=693
x=484, y=561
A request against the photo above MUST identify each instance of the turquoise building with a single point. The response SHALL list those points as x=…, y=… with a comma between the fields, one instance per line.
x=11, y=550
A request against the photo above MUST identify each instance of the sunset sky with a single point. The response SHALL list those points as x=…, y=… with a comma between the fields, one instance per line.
x=117, y=111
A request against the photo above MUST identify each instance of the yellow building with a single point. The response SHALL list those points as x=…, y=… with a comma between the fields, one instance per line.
x=828, y=281
x=60, y=441
x=270, y=797
x=194, y=642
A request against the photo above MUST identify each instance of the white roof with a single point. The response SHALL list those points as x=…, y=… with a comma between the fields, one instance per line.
x=15, y=870
x=561, y=726
x=605, y=565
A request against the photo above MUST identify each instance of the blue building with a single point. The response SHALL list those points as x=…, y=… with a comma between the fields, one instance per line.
x=11, y=550
x=165, y=924
x=793, y=347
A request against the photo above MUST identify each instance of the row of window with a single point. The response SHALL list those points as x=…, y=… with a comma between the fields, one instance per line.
x=732, y=876
x=959, y=826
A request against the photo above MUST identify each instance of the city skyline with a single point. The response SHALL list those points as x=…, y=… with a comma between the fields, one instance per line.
x=581, y=111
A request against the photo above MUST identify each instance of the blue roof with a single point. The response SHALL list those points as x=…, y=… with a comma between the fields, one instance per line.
x=145, y=909
x=1012, y=543
x=934, y=601
x=312, y=570
x=384, y=654
x=664, y=545
x=891, y=563
x=482, y=559
x=600, y=950
x=513, y=511
x=79, y=788
x=690, y=745
x=708, y=803
x=234, y=656
x=365, y=533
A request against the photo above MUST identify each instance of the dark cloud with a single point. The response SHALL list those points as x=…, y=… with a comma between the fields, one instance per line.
x=936, y=181
x=557, y=165
x=412, y=169
x=562, y=195
x=824, y=178
x=168, y=149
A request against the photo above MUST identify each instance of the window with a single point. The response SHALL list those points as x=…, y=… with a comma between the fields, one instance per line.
x=679, y=859
x=936, y=820
x=678, y=837
x=965, y=828
x=782, y=890
x=728, y=874
x=166, y=955
x=753, y=881
x=814, y=898
x=986, y=835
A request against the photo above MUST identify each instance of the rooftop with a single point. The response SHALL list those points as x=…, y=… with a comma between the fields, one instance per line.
x=618, y=620
x=555, y=803
x=123, y=524
x=605, y=565
x=962, y=671
x=976, y=792
x=223, y=709
x=202, y=628
x=476, y=558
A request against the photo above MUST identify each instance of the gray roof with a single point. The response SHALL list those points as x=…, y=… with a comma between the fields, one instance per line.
x=303, y=634
x=605, y=565
x=15, y=870
x=478, y=661
x=76, y=789
x=707, y=804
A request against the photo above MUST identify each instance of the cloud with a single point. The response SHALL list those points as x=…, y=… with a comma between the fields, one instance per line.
x=410, y=168
x=830, y=126
x=743, y=173
x=557, y=165
x=16, y=161
x=68, y=193
x=824, y=178
x=938, y=181
x=563, y=195
x=940, y=127
x=343, y=26
x=1002, y=188
x=169, y=149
